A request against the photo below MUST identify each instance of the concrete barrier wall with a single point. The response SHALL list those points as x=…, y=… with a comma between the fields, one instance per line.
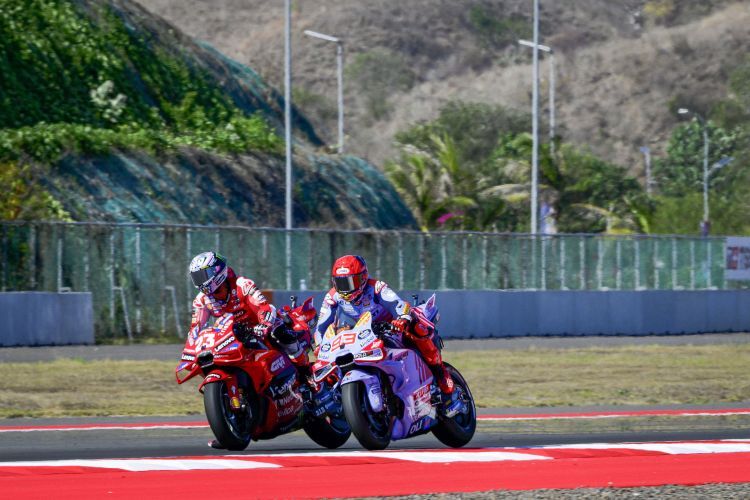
x=492, y=313
x=46, y=318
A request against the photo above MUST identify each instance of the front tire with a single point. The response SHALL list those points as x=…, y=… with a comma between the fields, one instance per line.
x=458, y=430
x=329, y=435
x=372, y=430
x=233, y=429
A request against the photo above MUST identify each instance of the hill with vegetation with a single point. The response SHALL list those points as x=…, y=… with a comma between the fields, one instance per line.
x=107, y=112
x=623, y=69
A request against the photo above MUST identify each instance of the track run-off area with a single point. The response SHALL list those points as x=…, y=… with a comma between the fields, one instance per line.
x=169, y=458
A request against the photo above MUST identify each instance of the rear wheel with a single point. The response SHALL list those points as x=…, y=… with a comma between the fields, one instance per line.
x=458, y=430
x=372, y=429
x=232, y=428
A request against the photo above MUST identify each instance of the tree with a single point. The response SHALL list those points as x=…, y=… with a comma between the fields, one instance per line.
x=681, y=172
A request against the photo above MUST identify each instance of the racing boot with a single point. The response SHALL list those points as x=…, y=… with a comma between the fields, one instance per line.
x=431, y=354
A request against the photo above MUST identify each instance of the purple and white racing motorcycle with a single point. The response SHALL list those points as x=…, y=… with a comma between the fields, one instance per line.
x=388, y=391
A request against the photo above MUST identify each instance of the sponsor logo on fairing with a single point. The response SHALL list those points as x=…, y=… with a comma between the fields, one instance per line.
x=287, y=399
x=289, y=410
x=228, y=341
x=416, y=426
x=188, y=357
x=325, y=347
x=277, y=391
x=212, y=376
x=278, y=364
x=364, y=333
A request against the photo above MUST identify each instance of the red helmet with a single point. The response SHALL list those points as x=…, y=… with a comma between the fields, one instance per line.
x=349, y=276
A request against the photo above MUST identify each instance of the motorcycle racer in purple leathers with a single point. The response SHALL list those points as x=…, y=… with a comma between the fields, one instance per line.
x=354, y=292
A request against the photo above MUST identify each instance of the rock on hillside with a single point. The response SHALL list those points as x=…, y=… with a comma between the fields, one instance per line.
x=181, y=184
x=621, y=63
x=197, y=187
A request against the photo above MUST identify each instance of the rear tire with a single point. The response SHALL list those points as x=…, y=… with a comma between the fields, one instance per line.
x=233, y=429
x=372, y=430
x=458, y=430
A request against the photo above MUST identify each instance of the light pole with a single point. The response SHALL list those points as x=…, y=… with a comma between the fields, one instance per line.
x=288, y=134
x=535, y=122
x=288, y=108
x=340, y=73
x=551, y=52
x=647, y=159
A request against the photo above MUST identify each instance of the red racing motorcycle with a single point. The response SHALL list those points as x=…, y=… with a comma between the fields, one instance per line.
x=252, y=390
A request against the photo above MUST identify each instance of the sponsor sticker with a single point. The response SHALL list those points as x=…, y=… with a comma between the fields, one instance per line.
x=228, y=341
x=364, y=333
x=416, y=426
x=188, y=357
x=278, y=364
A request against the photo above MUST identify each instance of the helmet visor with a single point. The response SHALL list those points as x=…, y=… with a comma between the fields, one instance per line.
x=348, y=284
x=202, y=278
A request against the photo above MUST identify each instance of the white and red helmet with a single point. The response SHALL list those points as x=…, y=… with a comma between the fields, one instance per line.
x=208, y=270
x=349, y=276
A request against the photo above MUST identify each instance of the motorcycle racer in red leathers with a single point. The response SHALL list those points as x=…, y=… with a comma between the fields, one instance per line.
x=354, y=292
x=222, y=292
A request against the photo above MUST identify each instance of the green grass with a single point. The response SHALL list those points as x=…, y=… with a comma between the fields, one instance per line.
x=519, y=378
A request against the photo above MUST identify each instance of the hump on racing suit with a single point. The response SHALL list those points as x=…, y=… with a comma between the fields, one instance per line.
x=377, y=297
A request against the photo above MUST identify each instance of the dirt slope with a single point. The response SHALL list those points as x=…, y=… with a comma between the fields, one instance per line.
x=619, y=65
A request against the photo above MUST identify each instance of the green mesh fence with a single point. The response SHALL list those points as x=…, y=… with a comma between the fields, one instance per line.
x=137, y=273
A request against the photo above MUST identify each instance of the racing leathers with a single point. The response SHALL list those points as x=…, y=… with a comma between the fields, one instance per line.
x=253, y=314
x=386, y=306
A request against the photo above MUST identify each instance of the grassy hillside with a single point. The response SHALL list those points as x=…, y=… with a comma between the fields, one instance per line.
x=621, y=64
x=108, y=112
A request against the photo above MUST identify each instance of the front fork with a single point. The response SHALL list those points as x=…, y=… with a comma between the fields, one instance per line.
x=237, y=399
x=372, y=385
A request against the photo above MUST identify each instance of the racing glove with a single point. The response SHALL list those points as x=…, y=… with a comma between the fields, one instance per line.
x=262, y=329
x=401, y=323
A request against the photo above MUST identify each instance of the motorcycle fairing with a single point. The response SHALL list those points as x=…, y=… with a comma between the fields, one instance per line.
x=372, y=386
x=410, y=377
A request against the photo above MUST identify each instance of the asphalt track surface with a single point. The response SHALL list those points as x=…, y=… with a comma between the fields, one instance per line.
x=192, y=442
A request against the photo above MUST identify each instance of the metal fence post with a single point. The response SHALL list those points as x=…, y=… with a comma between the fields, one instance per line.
x=618, y=263
x=485, y=262
x=709, y=281
x=562, y=263
x=138, y=263
x=420, y=239
x=443, y=263
x=465, y=262
x=637, y=263
x=543, y=267
x=599, y=264
x=656, y=264
x=400, y=261
x=692, y=264
x=674, y=263
x=582, y=261
x=32, y=257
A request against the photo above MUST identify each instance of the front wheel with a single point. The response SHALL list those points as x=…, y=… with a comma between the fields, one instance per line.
x=458, y=430
x=331, y=434
x=232, y=428
x=372, y=429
